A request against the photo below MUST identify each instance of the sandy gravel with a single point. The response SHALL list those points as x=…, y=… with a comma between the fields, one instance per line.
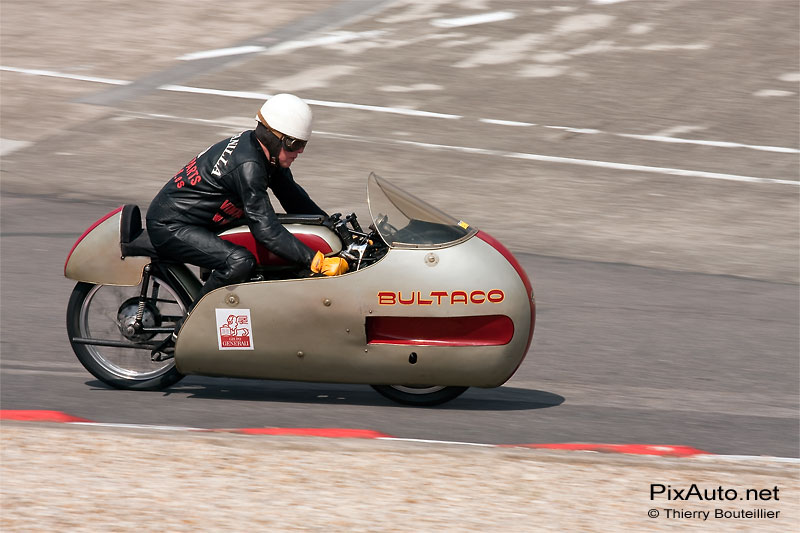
x=82, y=478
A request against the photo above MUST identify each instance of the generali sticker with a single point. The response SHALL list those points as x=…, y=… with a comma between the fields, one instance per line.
x=233, y=329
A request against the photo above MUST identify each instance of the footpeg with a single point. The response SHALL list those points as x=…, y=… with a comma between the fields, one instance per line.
x=161, y=356
x=165, y=349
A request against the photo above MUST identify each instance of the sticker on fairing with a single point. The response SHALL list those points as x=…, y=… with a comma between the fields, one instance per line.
x=234, y=330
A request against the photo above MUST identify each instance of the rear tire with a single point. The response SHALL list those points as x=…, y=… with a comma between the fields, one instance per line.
x=99, y=312
x=419, y=396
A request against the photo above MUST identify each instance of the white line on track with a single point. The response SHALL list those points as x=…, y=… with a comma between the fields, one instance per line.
x=328, y=39
x=30, y=372
x=221, y=52
x=505, y=122
x=10, y=145
x=754, y=458
x=483, y=18
x=655, y=138
x=396, y=110
x=52, y=74
x=719, y=144
x=321, y=103
x=603, y=164
x=137, y=426
x=215, y=92
x=429, y=114
x=425, y=441
x=501, y=153
x=72, y=365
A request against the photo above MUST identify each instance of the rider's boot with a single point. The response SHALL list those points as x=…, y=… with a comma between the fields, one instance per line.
x=166, y=348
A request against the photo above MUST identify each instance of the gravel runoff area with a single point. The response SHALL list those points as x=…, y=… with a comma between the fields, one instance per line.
x=95, y=478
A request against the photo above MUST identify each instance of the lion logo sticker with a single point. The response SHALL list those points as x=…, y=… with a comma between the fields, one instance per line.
x=233, y=329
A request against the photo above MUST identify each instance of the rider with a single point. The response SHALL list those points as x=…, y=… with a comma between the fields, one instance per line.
x=227, y=182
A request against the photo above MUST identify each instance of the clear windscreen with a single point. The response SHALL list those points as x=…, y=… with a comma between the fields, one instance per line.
x=403, y=220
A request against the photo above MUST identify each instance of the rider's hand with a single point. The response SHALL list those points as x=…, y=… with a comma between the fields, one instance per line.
x=330, y=266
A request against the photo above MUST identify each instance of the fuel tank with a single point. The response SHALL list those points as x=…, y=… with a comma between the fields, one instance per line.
x=314, y=236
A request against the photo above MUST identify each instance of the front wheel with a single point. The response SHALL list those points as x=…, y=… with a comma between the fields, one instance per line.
x=97, y=320
x=419, y=395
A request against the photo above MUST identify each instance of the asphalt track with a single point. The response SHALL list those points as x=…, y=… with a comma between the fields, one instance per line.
x=653, y=203
x=705, y=365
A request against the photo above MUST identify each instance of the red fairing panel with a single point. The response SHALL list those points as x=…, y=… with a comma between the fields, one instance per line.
x=87, y=232
x=267, y=258
x=497, y=245
x=485, y=330
x=494, y=243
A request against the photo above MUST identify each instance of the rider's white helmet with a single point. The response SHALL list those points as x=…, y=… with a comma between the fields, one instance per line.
x=287, y=114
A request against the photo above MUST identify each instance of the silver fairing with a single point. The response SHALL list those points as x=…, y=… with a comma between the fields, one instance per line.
x=315, y=329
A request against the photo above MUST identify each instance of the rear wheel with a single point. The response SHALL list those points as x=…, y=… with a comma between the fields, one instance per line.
x=98, y=320
x=419, y=395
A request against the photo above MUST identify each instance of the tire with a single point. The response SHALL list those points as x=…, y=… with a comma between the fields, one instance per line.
x=97, y=312
x=419, y=396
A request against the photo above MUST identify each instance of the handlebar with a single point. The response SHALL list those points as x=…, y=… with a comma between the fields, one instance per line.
x=340, y=226
x=355, y=240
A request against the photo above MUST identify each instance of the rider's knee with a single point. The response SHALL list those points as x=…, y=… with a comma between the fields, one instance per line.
x=240, y=264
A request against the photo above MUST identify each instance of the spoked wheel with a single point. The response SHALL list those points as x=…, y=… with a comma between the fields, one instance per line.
x=419, y=395
x=99, y=319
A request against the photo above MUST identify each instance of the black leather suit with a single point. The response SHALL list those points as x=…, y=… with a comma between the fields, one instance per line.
x=214, y=191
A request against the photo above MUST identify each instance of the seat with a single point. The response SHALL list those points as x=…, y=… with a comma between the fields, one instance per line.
x=133, y=238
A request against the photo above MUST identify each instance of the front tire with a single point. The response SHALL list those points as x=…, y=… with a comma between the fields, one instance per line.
x=419, y=396
x=99, y=312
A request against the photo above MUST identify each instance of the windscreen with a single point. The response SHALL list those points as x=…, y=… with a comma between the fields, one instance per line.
x=403, y=220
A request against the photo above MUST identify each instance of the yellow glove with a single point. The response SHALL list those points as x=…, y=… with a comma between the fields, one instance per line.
x=330, y=266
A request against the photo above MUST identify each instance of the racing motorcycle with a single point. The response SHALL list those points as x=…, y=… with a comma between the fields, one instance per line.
x=429, y=307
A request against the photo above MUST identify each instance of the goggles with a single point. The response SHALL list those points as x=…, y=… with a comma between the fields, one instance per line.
x=291, y=144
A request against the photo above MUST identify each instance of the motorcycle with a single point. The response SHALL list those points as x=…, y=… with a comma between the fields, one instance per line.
x=429, y=307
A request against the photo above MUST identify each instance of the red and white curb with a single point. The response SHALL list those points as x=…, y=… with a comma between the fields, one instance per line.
x=637, y=449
